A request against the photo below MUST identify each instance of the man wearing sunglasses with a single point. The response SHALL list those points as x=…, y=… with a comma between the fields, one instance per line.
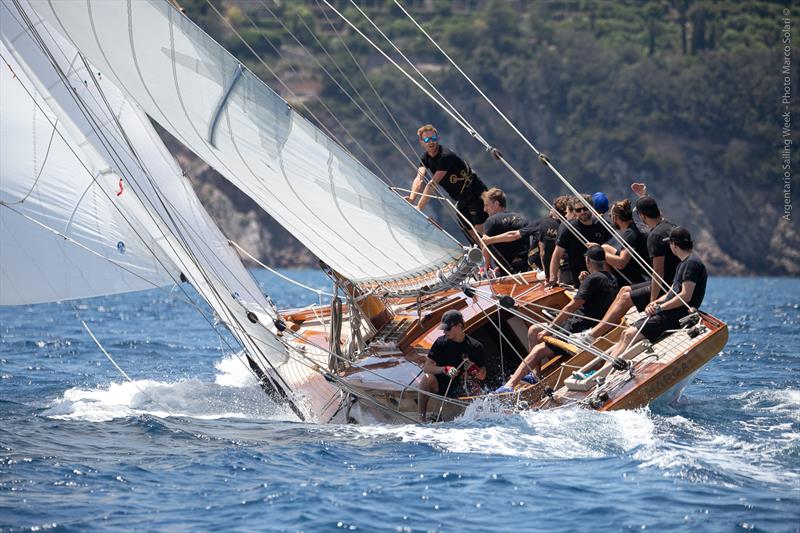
x=567, y=243
x=455, y=176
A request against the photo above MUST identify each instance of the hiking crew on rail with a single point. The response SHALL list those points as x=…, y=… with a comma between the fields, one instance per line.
x=455, y=176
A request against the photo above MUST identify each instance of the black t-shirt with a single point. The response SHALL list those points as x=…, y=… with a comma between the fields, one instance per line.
x=633, y=272
x=460, y=182
x=500, y=223
x=656, y=247
x=447, y=352
x=544, y=230
x=598, y=290
x=691, y=269
x=594, y=232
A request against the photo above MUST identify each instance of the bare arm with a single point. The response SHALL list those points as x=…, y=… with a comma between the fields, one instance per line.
x=617, y=260
x=541, y=257
x=567, y=311
x=675, y=302
x=555, y=263
x=429, y=188
x=416, y=185
x=430, y=367
x=658, y=266
x=509, y=236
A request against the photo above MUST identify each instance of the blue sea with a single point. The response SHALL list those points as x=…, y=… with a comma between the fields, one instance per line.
x=193, y=444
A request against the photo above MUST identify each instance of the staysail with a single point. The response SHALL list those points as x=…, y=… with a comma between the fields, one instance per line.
x=203, y=96
x=50, y=199
x=114, y=138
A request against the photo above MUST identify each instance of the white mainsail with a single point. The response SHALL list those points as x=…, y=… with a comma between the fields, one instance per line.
x=115, y=138
x=204, y=97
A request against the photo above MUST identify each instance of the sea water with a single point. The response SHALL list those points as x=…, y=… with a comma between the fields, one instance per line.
x=191, y=442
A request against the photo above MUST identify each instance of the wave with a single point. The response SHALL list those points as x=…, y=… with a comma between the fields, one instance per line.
x=570, y=433
x=234, y=393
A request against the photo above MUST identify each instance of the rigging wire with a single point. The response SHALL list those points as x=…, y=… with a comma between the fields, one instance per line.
x=102, y=349
x=292, y=93
x=112, y=152
x=449, y=109
x=546, y=161
x=366, y=78
x=282, y=276
x=368, y=112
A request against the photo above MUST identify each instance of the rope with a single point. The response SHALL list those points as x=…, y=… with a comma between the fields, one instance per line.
x=292, y=93
x=120, y=369
x=545, y=160
x=366, y=78
x=285, y=278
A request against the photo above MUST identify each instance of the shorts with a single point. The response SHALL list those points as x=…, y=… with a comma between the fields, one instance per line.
x=472, y=210
x=574, y=324
x=640, y=295
x=660, y=322
x=456, y=388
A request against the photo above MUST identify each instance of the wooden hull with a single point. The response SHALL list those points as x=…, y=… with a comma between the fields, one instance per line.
x=379, y=386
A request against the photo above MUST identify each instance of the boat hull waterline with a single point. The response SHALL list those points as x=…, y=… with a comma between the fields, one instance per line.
x=380, y=384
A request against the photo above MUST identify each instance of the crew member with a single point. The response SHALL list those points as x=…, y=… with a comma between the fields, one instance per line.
x=586, y=225
x=628, y=271
x=665, y=313
x=454, y=175
x=512, y=254
x=453, y=356
x=596, y=292
x=663, y=261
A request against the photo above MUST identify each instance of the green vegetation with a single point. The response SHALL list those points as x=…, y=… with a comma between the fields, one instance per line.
x=681, y=94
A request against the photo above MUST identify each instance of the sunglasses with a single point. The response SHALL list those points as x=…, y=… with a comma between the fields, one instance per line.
x=580, y=209
x=431, y=138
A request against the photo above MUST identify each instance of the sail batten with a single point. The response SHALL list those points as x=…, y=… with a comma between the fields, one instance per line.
x=221, y=111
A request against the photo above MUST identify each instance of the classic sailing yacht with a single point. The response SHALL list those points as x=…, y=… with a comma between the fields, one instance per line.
x=90, y=74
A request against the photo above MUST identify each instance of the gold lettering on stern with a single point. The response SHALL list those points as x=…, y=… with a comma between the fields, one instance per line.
x=667, y=378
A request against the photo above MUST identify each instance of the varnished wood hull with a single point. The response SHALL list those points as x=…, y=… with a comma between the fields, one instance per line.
x=379, y=385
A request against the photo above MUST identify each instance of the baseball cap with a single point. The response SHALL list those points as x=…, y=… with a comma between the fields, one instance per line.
x=679, y=235
x=600, y=202
x=451, y=318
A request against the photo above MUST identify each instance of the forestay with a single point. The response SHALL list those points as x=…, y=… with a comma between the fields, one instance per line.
x=200, y=93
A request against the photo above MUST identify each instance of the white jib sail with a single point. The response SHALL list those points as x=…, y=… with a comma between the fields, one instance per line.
x=200, y=93
x=48, y=195
x=115, y=135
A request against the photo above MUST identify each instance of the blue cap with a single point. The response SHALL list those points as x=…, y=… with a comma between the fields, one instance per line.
x=600, y=201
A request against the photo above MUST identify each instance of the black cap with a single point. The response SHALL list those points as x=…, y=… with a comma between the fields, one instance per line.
x=679, y=235
x=451, y=318
x=596, y=253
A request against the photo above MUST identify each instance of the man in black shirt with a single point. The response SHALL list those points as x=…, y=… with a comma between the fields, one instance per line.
x=543, y=235
x=454, y=175
x=567, y=242
x=663, y=261
x=512, y=255
x=628, y=270
x=452, y=359
x=689, y=287
x=596, y=292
